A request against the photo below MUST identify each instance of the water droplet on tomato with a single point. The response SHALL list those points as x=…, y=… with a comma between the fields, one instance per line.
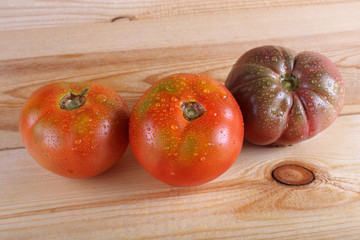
x=78, y=141
x=174, y=127
x=169, y=87
x=202, y=159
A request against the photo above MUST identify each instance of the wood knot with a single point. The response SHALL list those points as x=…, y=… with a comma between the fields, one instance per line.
x=293, y=175
x=125, y=17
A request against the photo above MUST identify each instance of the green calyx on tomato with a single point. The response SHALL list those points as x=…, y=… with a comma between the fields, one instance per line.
x=290, y=81
x=73, y=101
x=192, y=110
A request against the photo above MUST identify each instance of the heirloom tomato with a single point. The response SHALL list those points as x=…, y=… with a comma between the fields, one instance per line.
x=76, y=130
x=285, y=97
x=186, y=130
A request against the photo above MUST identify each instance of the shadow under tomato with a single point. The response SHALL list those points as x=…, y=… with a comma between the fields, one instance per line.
x=126, y=173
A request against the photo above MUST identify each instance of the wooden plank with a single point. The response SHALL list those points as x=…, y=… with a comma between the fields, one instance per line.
x=25, y=14
x=245, y=202
x=131, y=72
x=130, y=67
x=180, y=31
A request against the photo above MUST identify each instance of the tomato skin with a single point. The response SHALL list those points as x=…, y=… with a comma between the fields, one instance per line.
x=78, y=143
x=285, y=112
x=181, y=152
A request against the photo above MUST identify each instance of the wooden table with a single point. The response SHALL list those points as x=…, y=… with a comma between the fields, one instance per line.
x=127, y=46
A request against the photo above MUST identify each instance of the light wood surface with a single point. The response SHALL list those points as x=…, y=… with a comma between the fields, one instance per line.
x=127, y=46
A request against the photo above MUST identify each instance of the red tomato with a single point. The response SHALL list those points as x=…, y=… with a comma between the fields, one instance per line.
x=76, y=130
x=285, y=97
x=186, y=130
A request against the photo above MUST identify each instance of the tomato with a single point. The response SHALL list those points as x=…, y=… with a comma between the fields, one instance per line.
x=285, y=97
x=77, y=130
x=186, y=130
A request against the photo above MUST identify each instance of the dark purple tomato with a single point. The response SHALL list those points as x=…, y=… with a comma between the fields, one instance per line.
x=285, y=97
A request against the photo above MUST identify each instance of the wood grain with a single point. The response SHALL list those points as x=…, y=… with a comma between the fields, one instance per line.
x=245, y=201
x=131, y=72
x=25, y=14
x=78, y=54
x=47, y=41
x=180, y=31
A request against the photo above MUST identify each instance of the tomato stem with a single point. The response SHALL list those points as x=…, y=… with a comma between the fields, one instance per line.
x=73, y=101
x=290, y=81
x=192, y=110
